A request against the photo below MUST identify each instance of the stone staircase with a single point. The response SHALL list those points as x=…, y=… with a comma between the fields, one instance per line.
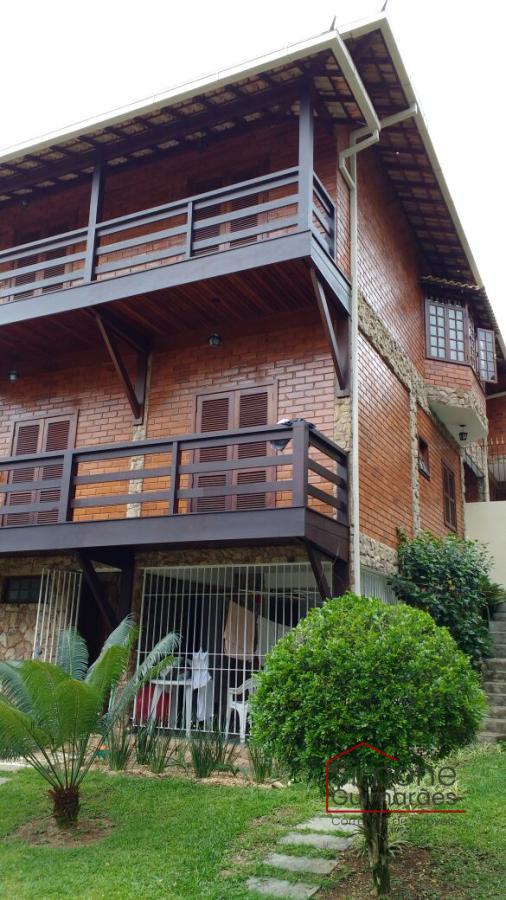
x=494, y=726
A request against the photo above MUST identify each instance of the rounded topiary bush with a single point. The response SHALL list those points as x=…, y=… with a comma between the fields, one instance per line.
x=357, y=670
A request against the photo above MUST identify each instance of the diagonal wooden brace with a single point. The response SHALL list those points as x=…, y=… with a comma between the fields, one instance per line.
x=338, y=349
x=136, y=393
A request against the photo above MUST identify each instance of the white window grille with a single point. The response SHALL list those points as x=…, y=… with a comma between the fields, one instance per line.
x=374, y=584
x=58, y=608
x=228, y=617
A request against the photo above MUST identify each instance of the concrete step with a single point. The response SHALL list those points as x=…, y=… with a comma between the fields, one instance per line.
x=316, y=865
x=277, y=887
x=499, y=640
x=497, y=712
x=325, y=824
x=497, y=726
x=496, y=665
x=320, y=841
x=489, y=737
x=500, y=616
x=496, y=686
x=497, y=626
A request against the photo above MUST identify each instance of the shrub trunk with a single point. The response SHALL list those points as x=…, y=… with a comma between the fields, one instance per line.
x=373, y=797
x=65, y=805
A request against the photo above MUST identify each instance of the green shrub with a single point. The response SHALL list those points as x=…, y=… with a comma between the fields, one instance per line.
x=120, y=746
x=210, y=752
x=357, y=670
x=262, y=764
x=449, y=578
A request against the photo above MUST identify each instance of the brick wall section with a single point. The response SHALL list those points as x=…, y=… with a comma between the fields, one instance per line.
x=389, y=266
x=385, y=462
x=431, y=491
x=496, y=412
x=296, y=359
x=459, y=377
x=91, y=388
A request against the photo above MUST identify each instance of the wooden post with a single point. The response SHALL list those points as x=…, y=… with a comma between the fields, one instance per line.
x=66, y=490
x=300, y=458
x=94, y=215
x=306, y=160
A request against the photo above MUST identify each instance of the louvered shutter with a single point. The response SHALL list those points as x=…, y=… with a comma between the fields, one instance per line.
x=54, y=271
x=246, y=222
x=253, y=410
x=208, y=212
x=214, y=413
x=27, y=437
x=39, y=436
x=57, y=435
x=29, y=277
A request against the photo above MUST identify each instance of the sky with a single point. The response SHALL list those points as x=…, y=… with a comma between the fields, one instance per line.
x=62, y=62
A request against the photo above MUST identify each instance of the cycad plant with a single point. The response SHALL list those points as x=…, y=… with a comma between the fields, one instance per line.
x=55, y=716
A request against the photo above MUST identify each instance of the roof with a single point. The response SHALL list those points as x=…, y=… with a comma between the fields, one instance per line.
x=267, y=89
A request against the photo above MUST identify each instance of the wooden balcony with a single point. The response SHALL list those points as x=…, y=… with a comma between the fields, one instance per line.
x=265, y=220
x=263, y=485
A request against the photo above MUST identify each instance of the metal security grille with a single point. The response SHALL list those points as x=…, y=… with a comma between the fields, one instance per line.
x=376, y=585
x=228, y=617
x=58, y=608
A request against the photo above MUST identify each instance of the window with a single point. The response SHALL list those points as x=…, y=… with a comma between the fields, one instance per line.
x=451, y=336
x=485, y=353
x=22, y=589
x=446, y=331
x=423, y=458
x=449, y=498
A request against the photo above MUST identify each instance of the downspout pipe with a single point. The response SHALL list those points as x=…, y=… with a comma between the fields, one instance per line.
x=360, y=139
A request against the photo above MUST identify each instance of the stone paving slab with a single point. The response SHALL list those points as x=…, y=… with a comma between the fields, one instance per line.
x=12, y=766
x=325, y=824
x=276, y=887
x=4, y=780
x=315, y=865
x=321, y=841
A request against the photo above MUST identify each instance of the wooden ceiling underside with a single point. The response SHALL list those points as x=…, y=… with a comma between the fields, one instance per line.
x=182, y=316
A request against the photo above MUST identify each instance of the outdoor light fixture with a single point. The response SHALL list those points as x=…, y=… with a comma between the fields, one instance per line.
x=214, y=340
x=13, y=376
x=463, y=434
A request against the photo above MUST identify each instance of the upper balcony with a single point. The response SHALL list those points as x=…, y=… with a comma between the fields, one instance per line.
x=248, y=224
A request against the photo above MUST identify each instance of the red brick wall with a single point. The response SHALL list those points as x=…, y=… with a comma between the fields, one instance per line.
x=496, y=412
x=431, y=491
x=389, y=267
x=297, y=360
x=454, y=375
x=385, y=461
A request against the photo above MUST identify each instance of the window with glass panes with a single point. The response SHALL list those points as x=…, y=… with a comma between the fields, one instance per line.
x=446, y=331
x=485, y=351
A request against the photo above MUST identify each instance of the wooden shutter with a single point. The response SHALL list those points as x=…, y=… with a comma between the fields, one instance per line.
x=210, y=231
x=29, y=277
x=27, y=436
x=245, y=222
x=39, y=436
x=253, y=409
x=58, y=434
x=214, y=413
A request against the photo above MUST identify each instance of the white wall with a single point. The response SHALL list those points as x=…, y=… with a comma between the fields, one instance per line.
x=486, y=522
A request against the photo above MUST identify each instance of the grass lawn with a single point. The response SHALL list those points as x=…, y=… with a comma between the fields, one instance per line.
x=174, y=838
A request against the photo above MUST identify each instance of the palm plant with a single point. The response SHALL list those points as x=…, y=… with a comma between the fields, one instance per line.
x=52, y=714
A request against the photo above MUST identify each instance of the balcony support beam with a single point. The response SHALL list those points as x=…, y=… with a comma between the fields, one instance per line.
x=95, y=213
x=315, y=559
x=97, y=589
x=135, y=392
x=336, y=333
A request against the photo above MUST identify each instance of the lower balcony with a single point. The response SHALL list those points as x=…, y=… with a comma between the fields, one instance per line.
x=265, y=485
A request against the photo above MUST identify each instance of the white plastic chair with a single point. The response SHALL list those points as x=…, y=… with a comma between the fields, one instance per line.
x=241, y=707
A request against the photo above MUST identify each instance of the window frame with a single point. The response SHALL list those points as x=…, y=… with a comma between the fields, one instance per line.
x=449, y=497
x=423, y=465
x=19, y=578
x=483, y=361
x=447, y=305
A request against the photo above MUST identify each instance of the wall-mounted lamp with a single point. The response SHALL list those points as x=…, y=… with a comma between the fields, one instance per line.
x=214, y=340
x=13, y=376
x=463, y=434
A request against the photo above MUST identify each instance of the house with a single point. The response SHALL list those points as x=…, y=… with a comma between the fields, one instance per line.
x=243, y=343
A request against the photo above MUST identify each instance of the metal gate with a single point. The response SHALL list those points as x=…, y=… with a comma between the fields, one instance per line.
x=228, y=618
x=58, y=608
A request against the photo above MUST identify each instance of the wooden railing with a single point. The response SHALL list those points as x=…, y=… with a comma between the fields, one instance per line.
x=267, y=467
x=249, y=211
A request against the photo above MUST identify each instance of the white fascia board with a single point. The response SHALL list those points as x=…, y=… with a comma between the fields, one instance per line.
x=330, y=40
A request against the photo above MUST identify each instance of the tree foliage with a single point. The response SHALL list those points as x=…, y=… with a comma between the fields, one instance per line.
x=52, y=714
x=450, y=579
x=357, y=670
